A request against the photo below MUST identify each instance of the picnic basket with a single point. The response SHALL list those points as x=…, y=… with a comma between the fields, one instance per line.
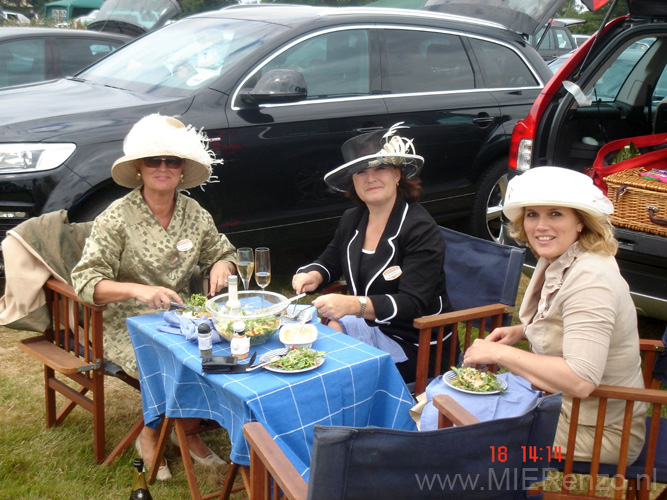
x=639, y=204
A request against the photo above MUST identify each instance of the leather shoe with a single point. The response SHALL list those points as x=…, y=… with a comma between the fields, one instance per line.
x=211, y=460
x=163, y=472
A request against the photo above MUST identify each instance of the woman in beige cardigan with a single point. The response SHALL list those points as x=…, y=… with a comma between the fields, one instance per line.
x=577, y=312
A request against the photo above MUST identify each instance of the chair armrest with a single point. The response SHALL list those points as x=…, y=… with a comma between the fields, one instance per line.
x=266, y=456
x=450, y=412
x=67, y=290
x=458, y=316
x=630, y=394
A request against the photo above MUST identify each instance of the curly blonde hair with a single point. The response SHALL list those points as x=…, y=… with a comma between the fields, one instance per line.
x=597, y=236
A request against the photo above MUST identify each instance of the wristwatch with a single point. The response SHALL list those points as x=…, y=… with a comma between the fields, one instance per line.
x=362, y=302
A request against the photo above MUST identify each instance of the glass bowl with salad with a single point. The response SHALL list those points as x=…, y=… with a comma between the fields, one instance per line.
x=260, y=311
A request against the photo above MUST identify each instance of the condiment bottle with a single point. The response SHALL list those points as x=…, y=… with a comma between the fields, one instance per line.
x=139, y=487
x=205, y=341
x=233, y=305
x=240, y=344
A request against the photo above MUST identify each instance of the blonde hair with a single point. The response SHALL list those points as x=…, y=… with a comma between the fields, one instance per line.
x=597, y=235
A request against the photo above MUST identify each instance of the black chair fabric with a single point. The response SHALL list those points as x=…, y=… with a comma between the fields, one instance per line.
x=452, y=463
x=480, y=272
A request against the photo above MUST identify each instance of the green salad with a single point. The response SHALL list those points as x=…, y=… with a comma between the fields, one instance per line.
x=471, y=379
x=253, y=327
x=298, y=359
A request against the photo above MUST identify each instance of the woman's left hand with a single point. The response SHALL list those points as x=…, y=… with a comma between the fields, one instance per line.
x=482, y=351
x=220, y=273
x=335, y=306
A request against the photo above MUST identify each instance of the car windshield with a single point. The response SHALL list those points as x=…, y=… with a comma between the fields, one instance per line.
x=180, y=58
x=144, y=13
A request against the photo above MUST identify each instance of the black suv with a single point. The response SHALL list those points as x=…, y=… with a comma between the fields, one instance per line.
x=618, y=87
x=459, y=83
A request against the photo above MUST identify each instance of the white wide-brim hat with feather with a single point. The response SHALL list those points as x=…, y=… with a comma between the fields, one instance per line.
x=554, y=187
x=158, y=135
x=382, y=147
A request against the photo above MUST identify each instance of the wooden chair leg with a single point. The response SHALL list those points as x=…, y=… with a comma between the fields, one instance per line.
x=187, y=459
x=126, y=442
x=49, y=397
x=165, y=430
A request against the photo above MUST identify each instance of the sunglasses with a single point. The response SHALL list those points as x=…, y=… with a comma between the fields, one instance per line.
x=171, y=162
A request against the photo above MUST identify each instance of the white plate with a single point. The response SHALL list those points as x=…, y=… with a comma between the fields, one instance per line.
x=270, y=354
x=450, y=375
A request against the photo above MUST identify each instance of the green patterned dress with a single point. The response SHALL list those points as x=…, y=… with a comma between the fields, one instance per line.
x=127, y=244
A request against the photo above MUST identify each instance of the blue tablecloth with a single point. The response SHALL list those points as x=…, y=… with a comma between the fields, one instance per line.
x=517, y=399
x=357, y=385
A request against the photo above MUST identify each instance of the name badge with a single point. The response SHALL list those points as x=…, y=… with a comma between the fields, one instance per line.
x=184, y=245
x=392, y=273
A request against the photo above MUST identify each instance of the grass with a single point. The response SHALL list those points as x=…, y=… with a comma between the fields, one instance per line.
x=57, y=464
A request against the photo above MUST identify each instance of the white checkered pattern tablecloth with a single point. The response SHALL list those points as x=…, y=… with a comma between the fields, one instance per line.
x=357, y=385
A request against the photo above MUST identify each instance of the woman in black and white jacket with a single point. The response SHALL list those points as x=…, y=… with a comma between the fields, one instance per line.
x=389, y=249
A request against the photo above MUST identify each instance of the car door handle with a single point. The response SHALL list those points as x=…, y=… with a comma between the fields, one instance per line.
x=483, y=120
x=364, y=130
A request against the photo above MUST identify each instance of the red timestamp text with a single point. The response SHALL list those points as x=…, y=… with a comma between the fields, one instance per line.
x=528, y=453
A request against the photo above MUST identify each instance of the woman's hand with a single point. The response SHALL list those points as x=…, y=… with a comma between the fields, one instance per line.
x=156, y=297
x=508, y=335
x=218, y=278
x=483, y=351
x=306, y=282
x=335, y=306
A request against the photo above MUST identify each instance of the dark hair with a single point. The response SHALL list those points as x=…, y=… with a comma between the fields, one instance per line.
x=408, y=189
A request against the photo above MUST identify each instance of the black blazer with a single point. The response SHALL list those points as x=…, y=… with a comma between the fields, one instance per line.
x=411, y=245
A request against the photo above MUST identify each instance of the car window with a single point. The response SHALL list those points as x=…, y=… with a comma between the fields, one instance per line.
x=501, y=66
x=182, y=57
x=77, y=53
x=424, y=61
x=22, y=61
x=562, y=40
x=607, y=87
x=335, y=64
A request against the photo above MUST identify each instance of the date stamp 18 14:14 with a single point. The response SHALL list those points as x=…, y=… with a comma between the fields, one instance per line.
x=529, y=453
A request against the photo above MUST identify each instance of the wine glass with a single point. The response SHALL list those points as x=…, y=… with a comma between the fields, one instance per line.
x=246, y=265
x=262, y=268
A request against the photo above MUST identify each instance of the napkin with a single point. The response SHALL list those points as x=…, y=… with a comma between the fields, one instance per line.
x=178, y=324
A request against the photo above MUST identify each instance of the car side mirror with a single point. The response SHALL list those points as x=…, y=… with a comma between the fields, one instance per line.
x=278, y=86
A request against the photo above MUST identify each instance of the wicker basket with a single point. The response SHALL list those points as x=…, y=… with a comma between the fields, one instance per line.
x=632, y=196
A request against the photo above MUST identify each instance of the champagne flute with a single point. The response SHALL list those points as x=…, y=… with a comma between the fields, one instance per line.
x=262, y=268
x=246, y=265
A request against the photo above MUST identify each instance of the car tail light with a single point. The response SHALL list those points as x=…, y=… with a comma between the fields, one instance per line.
x=521, y=146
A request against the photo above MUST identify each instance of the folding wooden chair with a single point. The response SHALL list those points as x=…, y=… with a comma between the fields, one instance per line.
x=71, y=348
x=651, y=466
x=350, y=463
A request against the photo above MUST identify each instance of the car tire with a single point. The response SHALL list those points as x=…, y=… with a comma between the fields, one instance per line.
x=486, y=220
x=95, y=204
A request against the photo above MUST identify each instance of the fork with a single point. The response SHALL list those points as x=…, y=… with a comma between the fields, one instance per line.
x=278, y=353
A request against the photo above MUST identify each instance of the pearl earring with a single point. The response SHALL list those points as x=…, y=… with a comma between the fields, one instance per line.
x=182, y=177
x=138, y=176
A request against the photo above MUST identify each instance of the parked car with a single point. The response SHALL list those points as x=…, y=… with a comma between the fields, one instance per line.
x=457, y=83
x=13, y=18
x=134, y=17
x=580, y=39
x=622, y=79
x=63, y=11
x=29, y=55
x=555, y=41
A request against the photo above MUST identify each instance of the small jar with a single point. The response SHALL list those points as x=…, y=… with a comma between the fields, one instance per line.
x=240, y=344
x=205, y=341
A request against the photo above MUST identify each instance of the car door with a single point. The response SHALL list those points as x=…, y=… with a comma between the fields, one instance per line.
x=302, y=139
x=429, y=83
